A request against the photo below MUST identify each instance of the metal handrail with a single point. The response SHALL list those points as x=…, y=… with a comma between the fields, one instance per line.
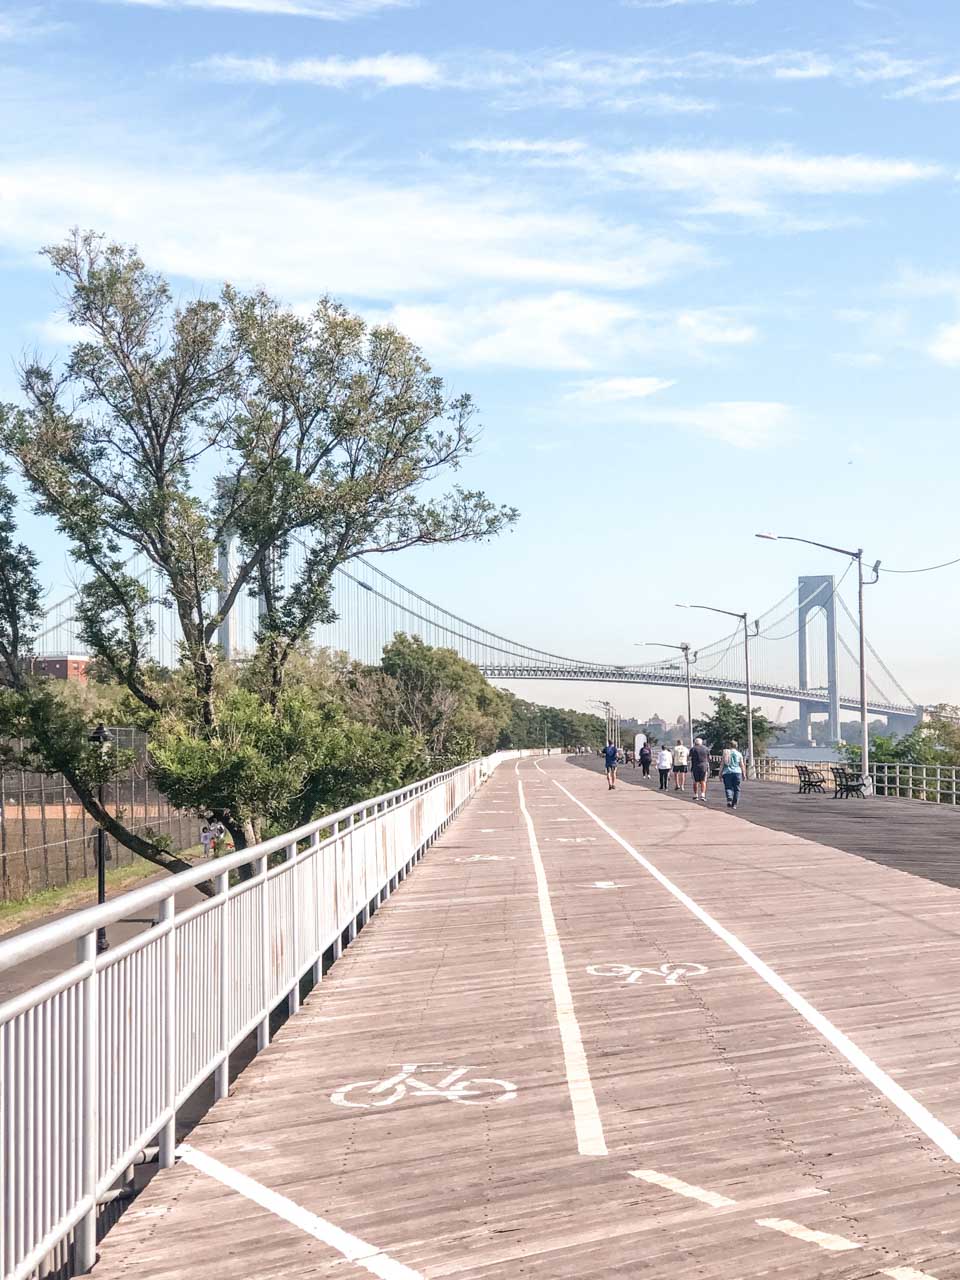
x=28, y=946
x=109, y=1050
x=901, y=779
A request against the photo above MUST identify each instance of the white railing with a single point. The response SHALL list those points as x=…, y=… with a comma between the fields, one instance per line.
x=96, y=1062
x=935, y=783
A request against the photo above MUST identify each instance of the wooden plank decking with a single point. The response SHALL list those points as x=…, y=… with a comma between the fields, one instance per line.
x=750, y=1128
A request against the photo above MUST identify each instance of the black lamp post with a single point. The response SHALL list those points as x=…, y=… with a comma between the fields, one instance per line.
x=100, y=738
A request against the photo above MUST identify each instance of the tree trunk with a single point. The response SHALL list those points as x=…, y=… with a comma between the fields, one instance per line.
x=129, y=839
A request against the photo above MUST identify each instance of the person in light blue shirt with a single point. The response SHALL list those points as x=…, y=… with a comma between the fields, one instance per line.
x=731, y=773
x=610, y=754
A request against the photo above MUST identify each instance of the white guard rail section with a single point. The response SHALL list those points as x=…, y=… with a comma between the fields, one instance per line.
x=95, y=1062
x=936, y=783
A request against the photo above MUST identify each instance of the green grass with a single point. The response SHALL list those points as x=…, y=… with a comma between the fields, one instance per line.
x=36, y=907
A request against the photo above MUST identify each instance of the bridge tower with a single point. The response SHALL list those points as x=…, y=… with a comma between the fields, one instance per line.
x=813, y=594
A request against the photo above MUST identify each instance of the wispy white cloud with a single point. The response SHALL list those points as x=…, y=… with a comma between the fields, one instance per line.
x=384, y=71
x=745, y=424
x=27, y=24
x=725, y=180
x=945, y=345
x=650, y=81
x=332, y=10
x=624, y=390
x=683, y=4
x=859, y=359
x=303, y=233
x=566, y=330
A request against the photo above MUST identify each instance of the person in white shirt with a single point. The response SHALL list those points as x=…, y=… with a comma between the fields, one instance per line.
x=680, y=755
x=664, y=765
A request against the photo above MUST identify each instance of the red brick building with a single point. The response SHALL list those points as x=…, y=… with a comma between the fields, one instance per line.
x=65, y=667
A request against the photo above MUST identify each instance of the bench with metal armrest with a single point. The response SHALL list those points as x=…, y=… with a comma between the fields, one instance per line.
x=847, y=783
x=810, y=780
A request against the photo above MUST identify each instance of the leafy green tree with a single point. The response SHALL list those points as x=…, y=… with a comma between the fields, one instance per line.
x=532, y=725
x=172, y=428
x=729, y=722
x=440, y=697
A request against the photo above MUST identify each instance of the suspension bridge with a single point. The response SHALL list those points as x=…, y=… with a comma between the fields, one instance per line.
x=803, y=650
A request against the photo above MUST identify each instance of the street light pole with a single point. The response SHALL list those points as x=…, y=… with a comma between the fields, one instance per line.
x=685, y=650
x=858, y=556
x=100, y=738
x=751, y=766
x=864, y=732
x=732, y=613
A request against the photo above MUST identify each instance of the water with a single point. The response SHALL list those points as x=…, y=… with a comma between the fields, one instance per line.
x=804, y=753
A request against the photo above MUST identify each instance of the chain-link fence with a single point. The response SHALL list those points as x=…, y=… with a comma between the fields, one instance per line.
x=48, y=839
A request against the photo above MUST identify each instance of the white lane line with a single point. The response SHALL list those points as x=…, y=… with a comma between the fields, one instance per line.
x=712, y=1198
x=350, y=1247
x=836, y=1244
x=925, y=1121
x=906, y=1273
x=586, y=1114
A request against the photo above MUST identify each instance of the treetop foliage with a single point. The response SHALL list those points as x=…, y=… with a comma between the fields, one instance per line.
x=174, y=427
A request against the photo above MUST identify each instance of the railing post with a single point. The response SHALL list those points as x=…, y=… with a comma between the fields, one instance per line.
x=293, y=996
x=316, y=973
x=221, y=1077
x=85, y=1239
x=168, y=1134
x=263, y=1026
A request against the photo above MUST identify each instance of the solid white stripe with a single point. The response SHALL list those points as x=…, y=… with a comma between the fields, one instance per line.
x=586, y=1114
x=935, y=1129
x=712, y=1198
x=906, y=1273
x=350, y=1247
x=836, y=1244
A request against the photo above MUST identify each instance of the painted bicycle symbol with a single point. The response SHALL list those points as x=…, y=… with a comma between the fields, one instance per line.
x=669, y=974
x=453, y=1087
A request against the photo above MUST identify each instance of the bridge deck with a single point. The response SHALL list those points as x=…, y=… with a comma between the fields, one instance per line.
x=765, y=1142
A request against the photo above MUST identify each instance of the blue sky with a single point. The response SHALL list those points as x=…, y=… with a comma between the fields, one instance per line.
x=696, y=260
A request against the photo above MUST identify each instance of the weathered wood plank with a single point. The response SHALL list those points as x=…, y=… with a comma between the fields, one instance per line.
x=710, y=1078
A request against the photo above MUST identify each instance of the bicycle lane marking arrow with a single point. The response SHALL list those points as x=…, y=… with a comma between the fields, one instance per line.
x=348, y=1246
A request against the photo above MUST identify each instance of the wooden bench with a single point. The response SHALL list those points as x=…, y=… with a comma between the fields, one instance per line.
x=848, y=783
x=810, y=780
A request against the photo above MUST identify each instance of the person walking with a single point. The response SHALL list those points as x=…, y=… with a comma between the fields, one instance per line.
x=680, y=757
x=646, y=759
x=610, y=761
x=700, y=768
x=664, y=765
x=731, y=772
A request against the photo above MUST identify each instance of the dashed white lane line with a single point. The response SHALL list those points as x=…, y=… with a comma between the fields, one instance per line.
x=348, y=1246
x=824, y=1239
x=586, y=1113
x=925, y=1121
x=712, y=1198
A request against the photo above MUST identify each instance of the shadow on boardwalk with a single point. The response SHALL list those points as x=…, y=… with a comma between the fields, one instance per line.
x=911, y=835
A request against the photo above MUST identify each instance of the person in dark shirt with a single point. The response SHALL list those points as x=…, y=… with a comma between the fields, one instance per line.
x=646, y=756
x=700, y=768
x=610, y=760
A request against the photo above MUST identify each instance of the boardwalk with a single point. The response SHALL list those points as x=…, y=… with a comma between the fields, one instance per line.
x=910, y=835
x=603, y=1064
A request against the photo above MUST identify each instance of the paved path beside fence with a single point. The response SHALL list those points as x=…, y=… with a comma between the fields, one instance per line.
x=596, y=1034
x=912, y=835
